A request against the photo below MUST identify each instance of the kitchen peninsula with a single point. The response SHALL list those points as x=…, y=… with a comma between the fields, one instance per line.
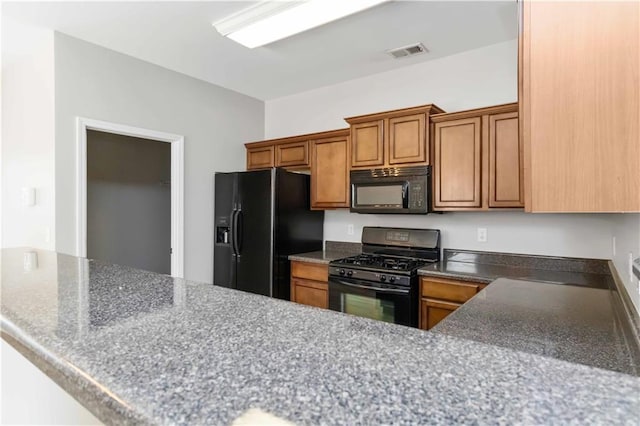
x=139, y=347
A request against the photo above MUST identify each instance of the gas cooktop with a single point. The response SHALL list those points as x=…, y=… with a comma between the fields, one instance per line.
x=382, y=262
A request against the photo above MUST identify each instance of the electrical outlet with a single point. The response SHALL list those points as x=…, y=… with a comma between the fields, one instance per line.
x=631, y=267
x=482, y=235
x=350, y=230
x=613, y=246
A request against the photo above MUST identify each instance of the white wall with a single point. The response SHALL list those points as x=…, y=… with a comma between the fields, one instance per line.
x=27, y=135
x=98, y=83
x=477, y=78
x=626, y=230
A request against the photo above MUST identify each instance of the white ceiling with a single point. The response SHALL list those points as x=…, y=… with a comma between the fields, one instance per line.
x=179, y=36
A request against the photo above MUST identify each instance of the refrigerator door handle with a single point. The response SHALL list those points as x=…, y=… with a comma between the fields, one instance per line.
x=238, y=231
x=233, y=232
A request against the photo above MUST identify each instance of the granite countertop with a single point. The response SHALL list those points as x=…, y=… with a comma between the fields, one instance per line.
x=573, y=323
x=139, y=347
x=324, y=256
x=486, y=267
x=333, y=250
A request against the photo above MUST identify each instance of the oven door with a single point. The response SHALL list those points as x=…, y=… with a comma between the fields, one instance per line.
x=394, y=304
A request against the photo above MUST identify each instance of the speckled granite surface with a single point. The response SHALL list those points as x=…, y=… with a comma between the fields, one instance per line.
x=323, y=257
x=333, y=250
x=572, y=323
x=137, y=347
x=486, y=267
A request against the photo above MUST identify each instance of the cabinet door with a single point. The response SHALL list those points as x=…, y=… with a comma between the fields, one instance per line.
x=292, y=154
x=330, y=173
x=367, y=144
x=580, y=106
x=312, y=293
x=408, y=140
x=457, y=166
x=434, y=311
x=260, y=158
x=505, y=161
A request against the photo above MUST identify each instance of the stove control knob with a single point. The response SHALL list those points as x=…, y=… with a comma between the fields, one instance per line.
x=341, y=271
x=349, y=273
x=392, y=279
x=383, y=278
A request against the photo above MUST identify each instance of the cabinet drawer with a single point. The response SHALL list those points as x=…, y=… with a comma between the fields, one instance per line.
x=310, y=271
x=292, y=154
x=455, y=291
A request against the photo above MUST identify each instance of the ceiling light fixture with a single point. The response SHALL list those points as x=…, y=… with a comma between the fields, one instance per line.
x=269, y=21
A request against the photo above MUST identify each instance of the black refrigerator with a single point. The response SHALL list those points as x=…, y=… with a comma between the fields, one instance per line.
x=261, y=217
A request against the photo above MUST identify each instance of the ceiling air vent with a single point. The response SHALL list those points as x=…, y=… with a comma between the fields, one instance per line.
x=410, y=50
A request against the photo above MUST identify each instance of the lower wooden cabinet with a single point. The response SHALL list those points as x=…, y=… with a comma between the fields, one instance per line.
x=312, y=293
x=439, y=297
x=433, y=311
x=310, y=284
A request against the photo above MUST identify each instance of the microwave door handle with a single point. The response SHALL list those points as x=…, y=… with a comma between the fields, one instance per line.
x=405, y=195
x=374, y=288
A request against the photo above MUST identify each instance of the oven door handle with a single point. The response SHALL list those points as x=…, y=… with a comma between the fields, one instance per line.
x=372, y=288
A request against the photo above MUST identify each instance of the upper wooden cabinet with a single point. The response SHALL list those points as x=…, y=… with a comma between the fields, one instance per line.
x=292, y=154
x=392, y=138
x=367, y=148
x=408, y=139
x=477, y=159
x=330, y=171
x=260, y=157
x=457, y=168
x=580, y=105
x=325, y=154
x=506, y=183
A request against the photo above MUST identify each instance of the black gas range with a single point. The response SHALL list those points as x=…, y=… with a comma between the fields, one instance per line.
x=382, y=282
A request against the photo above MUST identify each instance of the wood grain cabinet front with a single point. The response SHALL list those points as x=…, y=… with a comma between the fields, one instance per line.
x=391, y=138
x=478, y=159
x=294, y=154
x=309, y=284
x=367, y=148
x=330, y=187
x=439, y=297
x=580, y=105
x=325, y=155
x=260, y=157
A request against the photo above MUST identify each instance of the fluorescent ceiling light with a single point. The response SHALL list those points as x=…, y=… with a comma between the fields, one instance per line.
x=269, y=21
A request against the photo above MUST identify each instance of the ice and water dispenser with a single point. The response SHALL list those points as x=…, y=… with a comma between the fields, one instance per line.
x=223, y=231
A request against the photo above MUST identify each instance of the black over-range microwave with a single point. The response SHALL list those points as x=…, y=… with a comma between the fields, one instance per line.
x=405, y=190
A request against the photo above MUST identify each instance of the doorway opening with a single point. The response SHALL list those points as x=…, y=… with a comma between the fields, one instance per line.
x=130, y=196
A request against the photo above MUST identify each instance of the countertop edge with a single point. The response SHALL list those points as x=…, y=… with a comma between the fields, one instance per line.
x=106, y=406
x=302, y=258
x=461, y=277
